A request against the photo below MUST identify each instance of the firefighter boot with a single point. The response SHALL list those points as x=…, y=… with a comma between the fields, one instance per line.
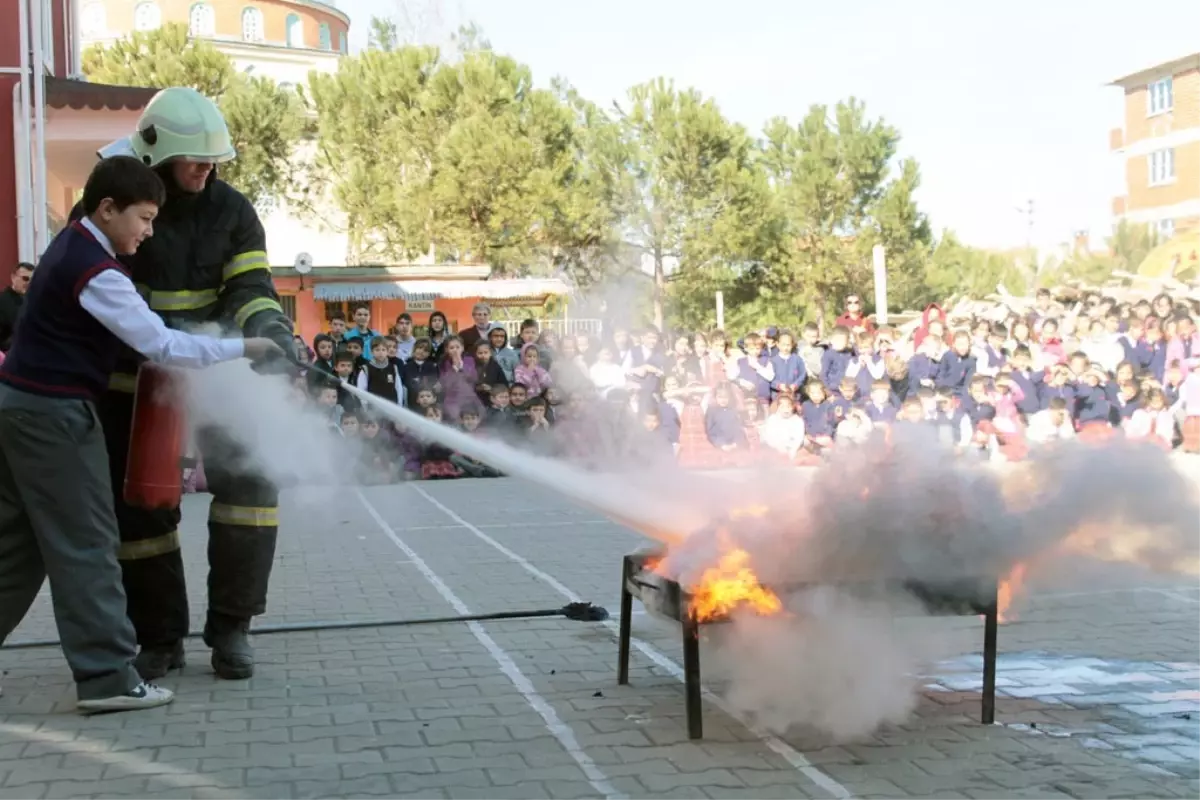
x=153, y=663
x=229, y=638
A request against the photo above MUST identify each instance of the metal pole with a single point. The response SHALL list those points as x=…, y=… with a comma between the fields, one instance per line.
x=40, y=215
x=24, y=139
x=879, y=257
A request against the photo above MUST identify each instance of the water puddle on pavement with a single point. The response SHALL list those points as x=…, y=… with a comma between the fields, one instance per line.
x=1147, y=711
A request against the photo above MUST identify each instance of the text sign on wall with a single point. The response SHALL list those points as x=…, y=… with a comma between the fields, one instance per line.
x=418, y=305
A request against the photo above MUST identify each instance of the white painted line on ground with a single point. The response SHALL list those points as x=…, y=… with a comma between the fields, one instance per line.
x=571, y=524
x=97, y=751
x=1171, y=594
x=554, y=724
x=782, y=748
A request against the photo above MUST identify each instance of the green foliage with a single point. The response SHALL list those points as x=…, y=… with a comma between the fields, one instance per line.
x=466, y=158
x=1127, y=249
x=956, y=270
x=693, y=198
x=836, y=194
x=384, y=35
x=264, y=121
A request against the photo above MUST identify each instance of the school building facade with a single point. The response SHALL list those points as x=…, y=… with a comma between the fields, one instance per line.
x=1159, y=147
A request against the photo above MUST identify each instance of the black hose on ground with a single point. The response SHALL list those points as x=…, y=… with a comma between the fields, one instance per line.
x=580, y=612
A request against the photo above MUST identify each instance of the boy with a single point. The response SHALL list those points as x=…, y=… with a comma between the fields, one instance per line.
x=1029, y=381
x=355, y=348
x=327, y=403
x=790, y=370
x=469, y=418
x=499, y=415
x=343, y=368
x=56, y=496
x=518, y=395
x=337, y=329
x=404, y=336
x=957, y=366
x=381, y=375
x=362, y=331
x=810, y=349
x=836, y=359
x=880, y=409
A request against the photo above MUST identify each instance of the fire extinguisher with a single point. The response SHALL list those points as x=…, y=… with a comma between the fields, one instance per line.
x=153, y=471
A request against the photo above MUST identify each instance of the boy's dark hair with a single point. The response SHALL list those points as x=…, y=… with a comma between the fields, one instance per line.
x=321, y=337
x=1022, y=350
x=911, y=402
x=519, y=385
x=358, y=306
x=470, y=410
x=338, y=314
x=537, y=402
x=926, y=393
x=840, y=330
x=126, y=181
x=425, y=342
x=1078, y=354
x=390, y=339
x=352, y=414
x=342, y=356
x=378, y=343
x=407, y=317
x=1057, y=404
x=529, y=324
x=752, y=338
x=980, y=382
x=999, y=329
x=882, y=383
x=499, y=388
x=812, y=326
x=355, y=341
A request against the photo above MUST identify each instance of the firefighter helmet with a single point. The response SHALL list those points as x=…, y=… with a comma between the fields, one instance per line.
x=181, y=124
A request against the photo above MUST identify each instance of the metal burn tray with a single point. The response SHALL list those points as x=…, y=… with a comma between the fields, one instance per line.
x=668, y=598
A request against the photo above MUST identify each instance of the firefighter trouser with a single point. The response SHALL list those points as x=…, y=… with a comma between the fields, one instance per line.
x=242, y=528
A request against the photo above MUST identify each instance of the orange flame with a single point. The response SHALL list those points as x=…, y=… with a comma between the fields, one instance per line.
x=1010, y=587
x=731, y=585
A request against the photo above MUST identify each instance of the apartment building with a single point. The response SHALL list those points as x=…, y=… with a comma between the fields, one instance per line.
x=1159, y=147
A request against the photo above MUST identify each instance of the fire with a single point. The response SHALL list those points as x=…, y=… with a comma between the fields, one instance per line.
x=731, y=585
x=1010, y=587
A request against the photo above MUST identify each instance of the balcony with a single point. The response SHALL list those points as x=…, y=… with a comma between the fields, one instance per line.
x=1116, y=139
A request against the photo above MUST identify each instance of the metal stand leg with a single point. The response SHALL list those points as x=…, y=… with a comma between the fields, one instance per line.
x=991, y=625
x=626, y=627
x=691, y=676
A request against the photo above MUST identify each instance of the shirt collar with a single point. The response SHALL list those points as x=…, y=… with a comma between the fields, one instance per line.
x=100, y=237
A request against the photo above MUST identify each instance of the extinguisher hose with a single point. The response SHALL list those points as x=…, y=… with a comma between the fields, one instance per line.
x=579, y=612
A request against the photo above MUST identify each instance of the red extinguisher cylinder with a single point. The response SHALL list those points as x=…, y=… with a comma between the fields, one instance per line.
x=153, y=471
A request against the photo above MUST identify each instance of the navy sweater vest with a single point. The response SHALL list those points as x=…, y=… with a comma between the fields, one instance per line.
x=59, y=349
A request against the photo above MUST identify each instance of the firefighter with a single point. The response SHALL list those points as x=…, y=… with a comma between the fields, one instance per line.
x=206, y=263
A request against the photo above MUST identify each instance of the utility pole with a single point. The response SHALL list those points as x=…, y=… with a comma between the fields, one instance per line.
x=1027, y=211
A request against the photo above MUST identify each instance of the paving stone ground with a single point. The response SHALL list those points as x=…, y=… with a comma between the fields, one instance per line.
x=1100, y=687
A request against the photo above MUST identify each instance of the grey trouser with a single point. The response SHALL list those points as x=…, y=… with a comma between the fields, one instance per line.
x=57, y=520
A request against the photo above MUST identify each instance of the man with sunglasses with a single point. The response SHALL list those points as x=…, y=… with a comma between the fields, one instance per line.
x=10, y=303
x=853, y=317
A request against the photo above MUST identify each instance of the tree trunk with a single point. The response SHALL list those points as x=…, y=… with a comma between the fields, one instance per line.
x=819, y=302
x=660, y=290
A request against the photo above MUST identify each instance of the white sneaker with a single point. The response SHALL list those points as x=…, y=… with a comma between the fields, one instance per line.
x=144, y=695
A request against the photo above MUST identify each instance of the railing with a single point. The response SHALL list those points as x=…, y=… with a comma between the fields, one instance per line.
x=563, y=327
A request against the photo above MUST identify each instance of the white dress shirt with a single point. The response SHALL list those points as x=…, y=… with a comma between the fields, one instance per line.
x=111, y=298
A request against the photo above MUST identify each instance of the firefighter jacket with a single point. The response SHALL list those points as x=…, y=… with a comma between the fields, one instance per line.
x=206, y=263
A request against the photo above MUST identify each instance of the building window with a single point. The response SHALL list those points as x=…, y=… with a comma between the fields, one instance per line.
x=326, y=41
x=93, y=21
x=147, y=17
x=202, y=21
x=342, y=41
x=1161, y=167
x=295, y=31
x=252, y=24
x=1160, y=97
x=1166, y=229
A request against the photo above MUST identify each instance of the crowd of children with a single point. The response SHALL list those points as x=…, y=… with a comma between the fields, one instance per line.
x=988, y=387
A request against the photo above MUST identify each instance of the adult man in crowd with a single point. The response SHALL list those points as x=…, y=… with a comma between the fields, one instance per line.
x=10, y=303
x=206, y=263
x=482, y=314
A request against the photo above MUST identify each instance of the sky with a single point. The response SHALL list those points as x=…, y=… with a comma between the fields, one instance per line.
x=999, y=103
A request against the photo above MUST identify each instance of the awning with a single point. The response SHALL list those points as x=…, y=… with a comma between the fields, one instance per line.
x=503, y=289
x=78, y=95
